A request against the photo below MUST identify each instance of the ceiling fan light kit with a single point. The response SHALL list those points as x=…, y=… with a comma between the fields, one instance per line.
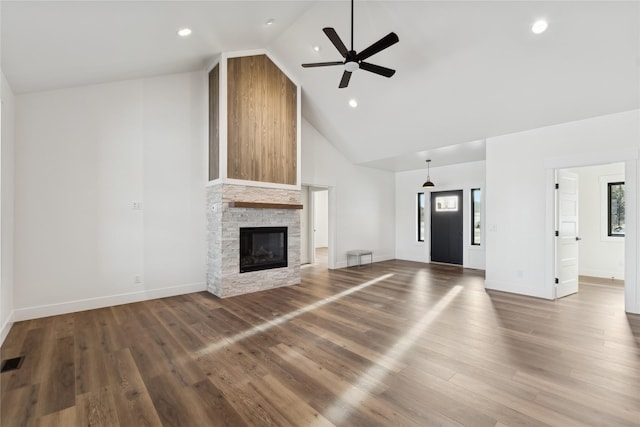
x=354, y=60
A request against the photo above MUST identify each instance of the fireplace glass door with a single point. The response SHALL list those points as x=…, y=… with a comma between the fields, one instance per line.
x=262, y=248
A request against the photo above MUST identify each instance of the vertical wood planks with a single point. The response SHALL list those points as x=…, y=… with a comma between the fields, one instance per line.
x=262, y=122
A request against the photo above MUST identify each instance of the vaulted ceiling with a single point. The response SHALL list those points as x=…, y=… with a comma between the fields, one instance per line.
x=466, y=71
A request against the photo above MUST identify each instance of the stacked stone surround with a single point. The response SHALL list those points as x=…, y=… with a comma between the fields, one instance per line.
x=223, y=266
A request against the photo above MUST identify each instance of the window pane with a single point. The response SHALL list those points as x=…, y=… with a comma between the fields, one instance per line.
x=421, y=217
x=615, y=201
x=447, y=204
x=475, y=217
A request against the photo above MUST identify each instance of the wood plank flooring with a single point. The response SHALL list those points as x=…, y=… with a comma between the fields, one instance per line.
x=392, y=344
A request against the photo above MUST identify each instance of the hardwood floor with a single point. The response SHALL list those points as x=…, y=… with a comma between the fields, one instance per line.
x=322, y=256
x=392, y=344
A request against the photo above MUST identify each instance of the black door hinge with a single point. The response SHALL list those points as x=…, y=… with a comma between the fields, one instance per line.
x=557, y=185
x=557, y=281
x=557, y=233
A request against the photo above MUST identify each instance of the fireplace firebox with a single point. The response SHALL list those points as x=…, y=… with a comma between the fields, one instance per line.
x=262, y=248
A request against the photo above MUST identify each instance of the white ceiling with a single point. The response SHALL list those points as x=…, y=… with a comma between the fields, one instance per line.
x=466, y=71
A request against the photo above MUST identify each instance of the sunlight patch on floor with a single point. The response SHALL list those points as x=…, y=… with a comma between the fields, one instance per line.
x=358, y=393
x=268, y=324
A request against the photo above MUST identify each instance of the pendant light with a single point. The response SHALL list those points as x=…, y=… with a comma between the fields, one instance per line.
x=428, y=183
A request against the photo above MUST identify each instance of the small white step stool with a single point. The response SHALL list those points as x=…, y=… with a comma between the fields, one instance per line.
x=359, y=253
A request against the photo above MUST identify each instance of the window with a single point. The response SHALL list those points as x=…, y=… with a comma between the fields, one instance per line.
x=615, y=208
x=420, y=217
x=447, y=204
x=476, y=231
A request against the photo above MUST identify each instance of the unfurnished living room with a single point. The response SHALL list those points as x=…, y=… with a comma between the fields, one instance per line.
x=305, y=213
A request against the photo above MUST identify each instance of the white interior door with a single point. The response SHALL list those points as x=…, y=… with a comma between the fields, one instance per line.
x=320, y=219
x=567, y=239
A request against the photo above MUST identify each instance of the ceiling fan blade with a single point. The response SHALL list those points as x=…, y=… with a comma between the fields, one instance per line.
x=322, y=64
x=335, y=39
x=344, y=82
x=383, y=71
x=383, y=43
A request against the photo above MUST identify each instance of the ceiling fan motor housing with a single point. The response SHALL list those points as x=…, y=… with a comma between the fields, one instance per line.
x=351, y=66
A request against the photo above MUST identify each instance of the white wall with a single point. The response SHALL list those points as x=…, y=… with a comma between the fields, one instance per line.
x=600, y=255
x=305, y=215
x=321, y=218
x=463, y=177
x=6, y=204
x=361, y=200
x=517, y=198
x=83, y=155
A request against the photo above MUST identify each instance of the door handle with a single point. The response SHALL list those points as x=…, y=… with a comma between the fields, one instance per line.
x=578, y=238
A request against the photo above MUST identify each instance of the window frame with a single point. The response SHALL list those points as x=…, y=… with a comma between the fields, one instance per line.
x=609, y=216
x=473, y=214
x=420, y=215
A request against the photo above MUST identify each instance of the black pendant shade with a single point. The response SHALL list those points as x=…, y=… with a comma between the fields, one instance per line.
x=428, y=183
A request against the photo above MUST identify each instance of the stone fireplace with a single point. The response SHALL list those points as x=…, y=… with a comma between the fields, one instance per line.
x=232, y=208
x=254, y=175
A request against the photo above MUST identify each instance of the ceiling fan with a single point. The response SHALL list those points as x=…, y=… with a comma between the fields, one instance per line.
x=354, y=60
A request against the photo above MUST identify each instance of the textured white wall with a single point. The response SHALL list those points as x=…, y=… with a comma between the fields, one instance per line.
x=517, y=200
x=7, y=155
x=361, y=200
x=463, y=177
x=83, y=155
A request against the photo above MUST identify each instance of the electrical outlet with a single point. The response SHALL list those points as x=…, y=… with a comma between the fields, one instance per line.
x=137, y=279
x=136, y=205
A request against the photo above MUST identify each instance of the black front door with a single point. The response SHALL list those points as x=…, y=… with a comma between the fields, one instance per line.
x=446, y=227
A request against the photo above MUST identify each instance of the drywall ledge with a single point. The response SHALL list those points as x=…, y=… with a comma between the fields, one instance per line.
x=258, y=205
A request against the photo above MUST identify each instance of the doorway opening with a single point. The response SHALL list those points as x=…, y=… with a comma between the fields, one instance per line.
x=320, y=227
x=590, y=228
x=315, y=225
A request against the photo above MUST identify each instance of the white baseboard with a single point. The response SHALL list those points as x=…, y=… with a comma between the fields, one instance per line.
x=508, y=287
x=619, y=275
x=365, y=260
x=28, y=313
x=411, y=256
x=6, y=327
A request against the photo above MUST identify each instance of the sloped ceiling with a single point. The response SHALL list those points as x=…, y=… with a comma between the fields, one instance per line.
x=466, y=71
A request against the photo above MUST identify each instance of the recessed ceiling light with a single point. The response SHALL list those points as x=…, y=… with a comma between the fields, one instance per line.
x=353, y=103
x=316, y=48
x=270, y=22
x=539, y=26
x=184, y=32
